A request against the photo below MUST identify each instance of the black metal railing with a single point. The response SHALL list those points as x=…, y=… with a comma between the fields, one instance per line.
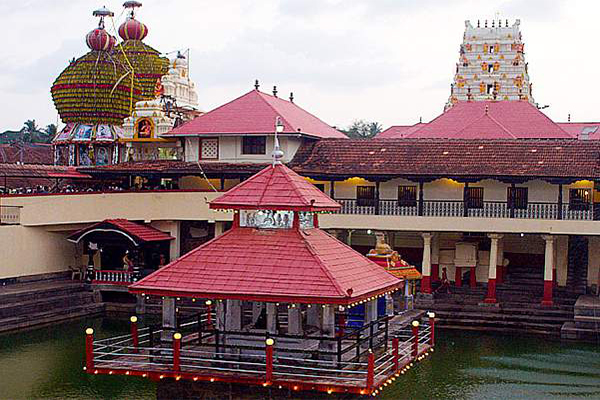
x=458, y=208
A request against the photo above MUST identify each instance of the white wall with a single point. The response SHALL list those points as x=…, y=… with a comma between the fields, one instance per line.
x=230, y=149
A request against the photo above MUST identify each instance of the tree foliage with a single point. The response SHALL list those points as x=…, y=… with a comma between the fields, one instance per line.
x=361, y=129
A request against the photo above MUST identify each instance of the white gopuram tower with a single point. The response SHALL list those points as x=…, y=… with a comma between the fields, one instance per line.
x=492, y=64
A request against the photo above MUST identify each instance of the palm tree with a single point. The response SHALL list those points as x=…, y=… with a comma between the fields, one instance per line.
x=51, y=130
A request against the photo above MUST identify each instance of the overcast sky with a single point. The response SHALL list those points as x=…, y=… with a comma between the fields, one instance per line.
x=390, y=61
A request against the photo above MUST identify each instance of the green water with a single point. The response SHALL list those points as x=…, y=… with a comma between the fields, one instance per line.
x=47, y=364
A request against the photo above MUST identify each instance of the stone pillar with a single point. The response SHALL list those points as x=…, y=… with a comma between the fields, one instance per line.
x=389, y=305
x=426, y=265
x=175, y=244
x=295, y=320
x=233, y=318
x=313, y=315
x=220, y=315
x=491, y=289
x=140, y=304
x=169, y=319
x=256, y=311
x=371, y=311
x=548, y=270
x=435, y=259
x=271, y=318
x=219, y=228
x=327, y=329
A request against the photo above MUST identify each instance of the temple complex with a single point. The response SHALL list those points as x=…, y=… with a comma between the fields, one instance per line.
x=492, y=64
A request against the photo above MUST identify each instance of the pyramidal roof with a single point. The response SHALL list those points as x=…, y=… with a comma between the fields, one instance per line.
x=272, y=265
x=277, y=188
x=255, y=113
x=491, y=120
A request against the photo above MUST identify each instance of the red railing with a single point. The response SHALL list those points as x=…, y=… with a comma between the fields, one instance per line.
x=183, y=358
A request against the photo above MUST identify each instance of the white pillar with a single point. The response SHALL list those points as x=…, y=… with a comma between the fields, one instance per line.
x=548, y=266
x=491, y=293
x=426, y=265
x=327, y=329
x=219, y=228
x=295, y=320
x=175, y=244
x=271, y=318
x=371, y=311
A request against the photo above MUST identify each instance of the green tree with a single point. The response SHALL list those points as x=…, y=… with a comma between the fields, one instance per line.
x=51, y=130
x=361, y=129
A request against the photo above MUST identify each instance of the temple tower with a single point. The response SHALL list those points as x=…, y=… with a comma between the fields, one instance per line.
x=491, y=65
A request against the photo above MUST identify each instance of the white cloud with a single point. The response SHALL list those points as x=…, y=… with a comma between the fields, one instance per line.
x=385, y=60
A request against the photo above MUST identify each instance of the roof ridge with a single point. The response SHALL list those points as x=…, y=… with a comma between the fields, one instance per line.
x=285, y=121
x=208, y=112
x=322, y=264
x=468, y=125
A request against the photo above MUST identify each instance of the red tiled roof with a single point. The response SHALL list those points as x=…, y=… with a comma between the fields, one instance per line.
x=255, y=113
x=138, y=232
x=174, y=167
x=491, y=120
x=40, y=171
x=27, y=153
x=275, y=187
x=399, y=131
x=330, y=158
x=286, y=265
x=577, y=128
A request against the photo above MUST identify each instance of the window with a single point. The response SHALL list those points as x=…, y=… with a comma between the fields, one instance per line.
x=474, y=197
x=517, y=197
x=209, y=149
x=365, y=196
x=407, y=196
x=579, y=199
x=320, y=186
x=254, y=145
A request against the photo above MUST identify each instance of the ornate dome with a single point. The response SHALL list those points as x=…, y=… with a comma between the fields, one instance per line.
x=99, y=40
x=132, y=29
x=148, y=65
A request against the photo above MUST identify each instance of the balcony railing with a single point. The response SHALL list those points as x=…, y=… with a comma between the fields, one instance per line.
x=456, y=208
x=10, y=215
x=112, y=277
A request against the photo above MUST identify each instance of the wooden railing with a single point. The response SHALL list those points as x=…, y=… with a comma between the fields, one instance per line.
x=458, y=208
x=10, y=215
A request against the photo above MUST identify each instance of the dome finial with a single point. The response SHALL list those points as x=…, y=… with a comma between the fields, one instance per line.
x=98, y=39
x=132, y=29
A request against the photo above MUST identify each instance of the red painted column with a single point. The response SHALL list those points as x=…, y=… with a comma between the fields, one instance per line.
x=415, y=344
x=315, y=220
x=371, y=371
x=426, y=264
x=269, y=361
x=472, y=278
x=458, y=277
x=396, y=353
x=499, y=274
x=208, y=314
x=89, y=349
x=134, y=333
x=177, y=352
x=431, y=316
x=490, y=298
x=548, y=270
x=426, y=284
x=435, y=273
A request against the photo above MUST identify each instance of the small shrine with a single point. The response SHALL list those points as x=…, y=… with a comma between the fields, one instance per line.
x=390, y=260
x=274, y=294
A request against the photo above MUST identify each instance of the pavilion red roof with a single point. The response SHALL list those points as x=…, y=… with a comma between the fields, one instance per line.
x=489, y=120
x=277, y=188
x=137, y=232
x=255, y=113
x=286, y=265
x=400, y=131
x=582, y=130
